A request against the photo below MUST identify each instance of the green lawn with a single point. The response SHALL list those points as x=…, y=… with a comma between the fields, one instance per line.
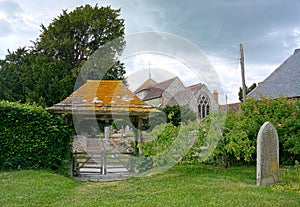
x=196, y=185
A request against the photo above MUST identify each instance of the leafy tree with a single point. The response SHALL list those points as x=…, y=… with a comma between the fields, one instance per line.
x=73, y=37
x=11, y=71
x=47, y=71
x=179, y=114
x=248, y=90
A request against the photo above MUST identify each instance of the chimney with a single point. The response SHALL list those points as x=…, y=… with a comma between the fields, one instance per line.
x=216, y=95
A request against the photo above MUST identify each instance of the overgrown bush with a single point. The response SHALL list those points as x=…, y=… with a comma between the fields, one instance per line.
x=179, y=114
x=169, y=145
x=284, y=114
x=31, y=137
x=238, y=144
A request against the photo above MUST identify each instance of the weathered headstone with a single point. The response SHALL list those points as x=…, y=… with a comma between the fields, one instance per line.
x=267, y=168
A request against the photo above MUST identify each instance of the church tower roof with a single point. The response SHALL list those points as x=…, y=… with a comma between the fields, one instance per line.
x=149, y=83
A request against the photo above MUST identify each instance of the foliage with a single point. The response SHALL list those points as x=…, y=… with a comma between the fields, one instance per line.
x=183, y=185
x=238, y=144
x=248, y=90
x=46, y=73
x=284, y=114
x=179, y=114
x=168, y=145
x=162, y=137
x=12, y=70
x=30, y=137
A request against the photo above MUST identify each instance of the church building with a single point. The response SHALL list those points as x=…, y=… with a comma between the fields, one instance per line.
x=173, y=92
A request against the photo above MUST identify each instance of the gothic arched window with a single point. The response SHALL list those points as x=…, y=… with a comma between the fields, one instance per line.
x=203, y=106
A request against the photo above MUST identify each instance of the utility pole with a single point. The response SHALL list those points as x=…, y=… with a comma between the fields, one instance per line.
x=243, y=72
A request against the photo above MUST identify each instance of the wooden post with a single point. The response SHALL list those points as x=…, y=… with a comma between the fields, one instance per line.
x=243, y=72
x=140, y=136
x=75, y=164
x=103, y=158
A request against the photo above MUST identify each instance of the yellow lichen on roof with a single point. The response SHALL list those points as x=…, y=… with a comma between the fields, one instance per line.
x=104, y=95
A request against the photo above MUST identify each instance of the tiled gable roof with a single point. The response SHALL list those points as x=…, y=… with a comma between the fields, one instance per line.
x=103, y=96
x=183, y=97
x=149, y=83
x=157, y=90
x=285, y=80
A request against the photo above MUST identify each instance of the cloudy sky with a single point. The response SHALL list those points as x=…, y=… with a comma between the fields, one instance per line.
x=268, y=29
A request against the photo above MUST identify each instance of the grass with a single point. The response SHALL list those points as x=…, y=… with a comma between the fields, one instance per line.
x=195, y=185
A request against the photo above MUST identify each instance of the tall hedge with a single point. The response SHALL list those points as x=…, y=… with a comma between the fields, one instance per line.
x=31, y=137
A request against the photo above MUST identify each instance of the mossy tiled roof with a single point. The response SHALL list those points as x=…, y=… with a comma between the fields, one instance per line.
x=104, y=97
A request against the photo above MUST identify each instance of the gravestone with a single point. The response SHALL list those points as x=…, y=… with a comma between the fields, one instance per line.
x=106, y=132
x=267, y=168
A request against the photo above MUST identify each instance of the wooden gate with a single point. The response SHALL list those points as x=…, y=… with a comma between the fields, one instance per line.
x=100, y=159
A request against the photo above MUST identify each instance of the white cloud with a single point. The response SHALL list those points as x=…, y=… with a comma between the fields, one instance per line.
x=269, y=30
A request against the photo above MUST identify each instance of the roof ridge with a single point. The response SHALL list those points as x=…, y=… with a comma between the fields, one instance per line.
x=144, y=86
x=195, y=85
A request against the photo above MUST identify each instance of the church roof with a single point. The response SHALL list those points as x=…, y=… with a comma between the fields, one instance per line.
x=146, y=85
x=183, y=97
x=158, y=89
x=104, y=97
x=196, y=86
x=285, y=80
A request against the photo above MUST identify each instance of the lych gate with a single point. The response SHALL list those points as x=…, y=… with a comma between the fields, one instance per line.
x=99, y=156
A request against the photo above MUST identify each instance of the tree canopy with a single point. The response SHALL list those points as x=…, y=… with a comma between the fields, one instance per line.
x=248, y=90
x=46, y=72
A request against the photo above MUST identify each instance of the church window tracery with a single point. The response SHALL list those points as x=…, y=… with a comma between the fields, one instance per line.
x=203, y=106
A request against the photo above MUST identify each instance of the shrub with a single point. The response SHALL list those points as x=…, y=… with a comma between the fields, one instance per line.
x=238, y=144
x=31, y=137
x=169, y=145
x=284, y=114
x=179, y=114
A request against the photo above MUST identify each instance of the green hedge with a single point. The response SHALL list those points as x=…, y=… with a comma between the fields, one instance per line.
x=31, y=137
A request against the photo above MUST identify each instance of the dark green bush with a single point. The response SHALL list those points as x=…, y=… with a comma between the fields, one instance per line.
x=31, y=137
